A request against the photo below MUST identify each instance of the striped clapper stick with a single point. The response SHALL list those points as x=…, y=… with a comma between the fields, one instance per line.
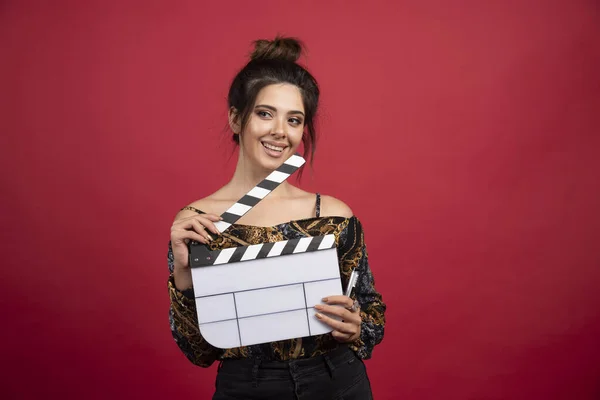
x=265, y=292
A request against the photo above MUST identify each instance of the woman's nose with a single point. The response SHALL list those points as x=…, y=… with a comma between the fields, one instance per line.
x=279, y=128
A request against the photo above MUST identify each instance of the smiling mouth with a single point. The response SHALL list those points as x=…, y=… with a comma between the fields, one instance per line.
x=271, y=147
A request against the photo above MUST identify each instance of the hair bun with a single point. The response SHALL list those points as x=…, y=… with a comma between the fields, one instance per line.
x=281, y=48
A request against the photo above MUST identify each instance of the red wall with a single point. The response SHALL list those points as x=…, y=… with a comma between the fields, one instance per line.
x=465, y=136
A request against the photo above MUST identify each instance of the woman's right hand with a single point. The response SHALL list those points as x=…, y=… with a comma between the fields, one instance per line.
x=190, y=228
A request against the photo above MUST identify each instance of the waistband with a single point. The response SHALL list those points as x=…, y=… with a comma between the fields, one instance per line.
x=248, y=369
x=330, y=359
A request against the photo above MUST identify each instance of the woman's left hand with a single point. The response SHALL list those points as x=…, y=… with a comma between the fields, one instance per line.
x=348, y=329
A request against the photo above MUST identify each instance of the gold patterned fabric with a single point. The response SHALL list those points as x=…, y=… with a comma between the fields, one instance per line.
x=352, y=254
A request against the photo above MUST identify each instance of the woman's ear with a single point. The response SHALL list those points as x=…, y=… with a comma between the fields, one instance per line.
x=234, y=121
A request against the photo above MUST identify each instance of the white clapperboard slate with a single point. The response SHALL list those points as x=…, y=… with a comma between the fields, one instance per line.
x=265, y=292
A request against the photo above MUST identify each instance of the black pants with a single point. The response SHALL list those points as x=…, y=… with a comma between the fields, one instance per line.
x=338, y=375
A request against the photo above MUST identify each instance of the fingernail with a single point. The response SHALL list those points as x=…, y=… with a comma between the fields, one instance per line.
x=319, y=307
x=318, y=315
x=324, y=299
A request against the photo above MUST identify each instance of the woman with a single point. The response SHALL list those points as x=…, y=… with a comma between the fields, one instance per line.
x=272, y=106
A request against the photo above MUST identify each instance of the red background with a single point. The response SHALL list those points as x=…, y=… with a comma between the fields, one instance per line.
x=464, y=135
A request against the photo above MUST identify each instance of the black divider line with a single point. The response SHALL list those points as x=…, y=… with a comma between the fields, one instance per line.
x=272, y=313
x=268, y=287
x=252, y=316
x=306, y=305
x=237, y=319
x=219, y=320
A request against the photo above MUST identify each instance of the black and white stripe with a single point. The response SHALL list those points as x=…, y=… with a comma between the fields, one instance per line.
x=259, y=192
x=200, y=256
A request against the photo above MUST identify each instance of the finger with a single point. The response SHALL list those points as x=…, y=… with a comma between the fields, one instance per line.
x=341, y=312
x=184, y=235
x=212, y=217
x=342, y=337
x=339, y=299
x=209, y=224
x=179, y=231
x=201, y=229
x=189, y=223
x=343, y=327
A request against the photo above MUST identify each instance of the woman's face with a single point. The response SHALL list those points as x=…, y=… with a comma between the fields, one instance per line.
x=275, y=127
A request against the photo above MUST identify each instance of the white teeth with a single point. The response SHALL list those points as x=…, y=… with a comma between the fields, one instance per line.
x=271, y=147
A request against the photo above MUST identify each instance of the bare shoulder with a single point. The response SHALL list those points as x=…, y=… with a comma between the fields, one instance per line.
x=330, y=206
x=195, y=208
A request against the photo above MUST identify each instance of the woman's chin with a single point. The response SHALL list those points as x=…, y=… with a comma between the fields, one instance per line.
x=269, y=162
x=271, y=165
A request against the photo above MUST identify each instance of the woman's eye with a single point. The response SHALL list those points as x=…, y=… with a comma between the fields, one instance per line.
x=296, y=121
x=264, y=114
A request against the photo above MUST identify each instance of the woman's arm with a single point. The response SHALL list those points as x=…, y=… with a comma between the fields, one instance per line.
x=352, y=252
x=183, y=320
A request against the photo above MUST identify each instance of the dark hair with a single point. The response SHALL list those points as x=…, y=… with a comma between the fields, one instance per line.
x=274, y=62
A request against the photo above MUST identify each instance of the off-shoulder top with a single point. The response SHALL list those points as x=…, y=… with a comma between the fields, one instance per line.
x=352, y=254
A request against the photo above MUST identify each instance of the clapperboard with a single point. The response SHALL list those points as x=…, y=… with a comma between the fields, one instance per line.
x=265, y=292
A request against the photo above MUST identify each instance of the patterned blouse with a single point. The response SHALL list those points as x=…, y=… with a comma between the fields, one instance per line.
x=352, y=254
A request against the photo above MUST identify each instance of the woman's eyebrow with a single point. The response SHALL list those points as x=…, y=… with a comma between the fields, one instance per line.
x=274, y=109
